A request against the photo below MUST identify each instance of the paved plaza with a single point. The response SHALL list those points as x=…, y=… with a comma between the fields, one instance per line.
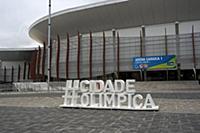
x=35, y=112
x=54, y=120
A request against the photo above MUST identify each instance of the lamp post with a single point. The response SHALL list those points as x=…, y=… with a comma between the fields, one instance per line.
x=49, y=45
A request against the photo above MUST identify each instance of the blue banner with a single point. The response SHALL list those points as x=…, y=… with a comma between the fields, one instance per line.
x=155, y=62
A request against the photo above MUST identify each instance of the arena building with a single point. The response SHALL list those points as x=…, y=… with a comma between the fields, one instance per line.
x=106, y=40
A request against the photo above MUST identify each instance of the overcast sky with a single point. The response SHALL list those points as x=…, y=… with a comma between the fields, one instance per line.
x=17, y=15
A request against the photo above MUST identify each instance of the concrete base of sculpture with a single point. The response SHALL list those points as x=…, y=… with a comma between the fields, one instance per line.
x=112, y=108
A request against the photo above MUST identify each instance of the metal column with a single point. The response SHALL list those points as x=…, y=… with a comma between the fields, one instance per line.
x=78, y=56
x=43, y=61
x=118, y=55
x=178, y=50
x=12, y=74
x=29, y=69
x=194, y=53
x=104, y=56
x=141, y=55
x=90, y=60
x=19, y=72
x=114, y=54
x=58, y=58
x=143, y=49
x=38, y=61
x=24, y=74
x=67, y=57
x=166, y=52
x=4, y=74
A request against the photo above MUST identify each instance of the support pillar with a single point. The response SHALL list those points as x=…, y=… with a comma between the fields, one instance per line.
x=143, y=38
x=166, y=43
x=67, y=57
x=29, y=69
x=194, y=54
x=118, y=55
x=104, y=56
x=24, y=74
x=38, y=61
x=166, y=53
x=141, y=45
x=90, y=60
x=43, y=61
x=5, y=74
x=114, y=54
x=78, y=56
x=141, y=55
x=19, y=72
x=178, y=51
x=58, y=58
x=12, y=74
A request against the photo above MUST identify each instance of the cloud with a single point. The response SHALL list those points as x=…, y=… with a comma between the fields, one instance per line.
x=17, y=15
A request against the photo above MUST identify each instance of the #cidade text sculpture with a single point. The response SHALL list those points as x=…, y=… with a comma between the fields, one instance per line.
x=108, y=95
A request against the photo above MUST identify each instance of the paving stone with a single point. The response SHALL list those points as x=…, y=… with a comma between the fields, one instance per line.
x=53, y=120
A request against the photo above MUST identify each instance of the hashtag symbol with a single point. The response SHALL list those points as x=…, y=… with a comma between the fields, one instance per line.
x=71, y=97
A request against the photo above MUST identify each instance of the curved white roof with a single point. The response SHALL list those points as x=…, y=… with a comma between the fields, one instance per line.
x=116, y=14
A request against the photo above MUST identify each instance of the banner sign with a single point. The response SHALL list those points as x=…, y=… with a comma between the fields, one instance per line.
x=99, y=95
x=155, y=62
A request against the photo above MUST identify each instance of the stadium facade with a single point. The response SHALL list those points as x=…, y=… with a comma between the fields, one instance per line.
x=103, y=39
